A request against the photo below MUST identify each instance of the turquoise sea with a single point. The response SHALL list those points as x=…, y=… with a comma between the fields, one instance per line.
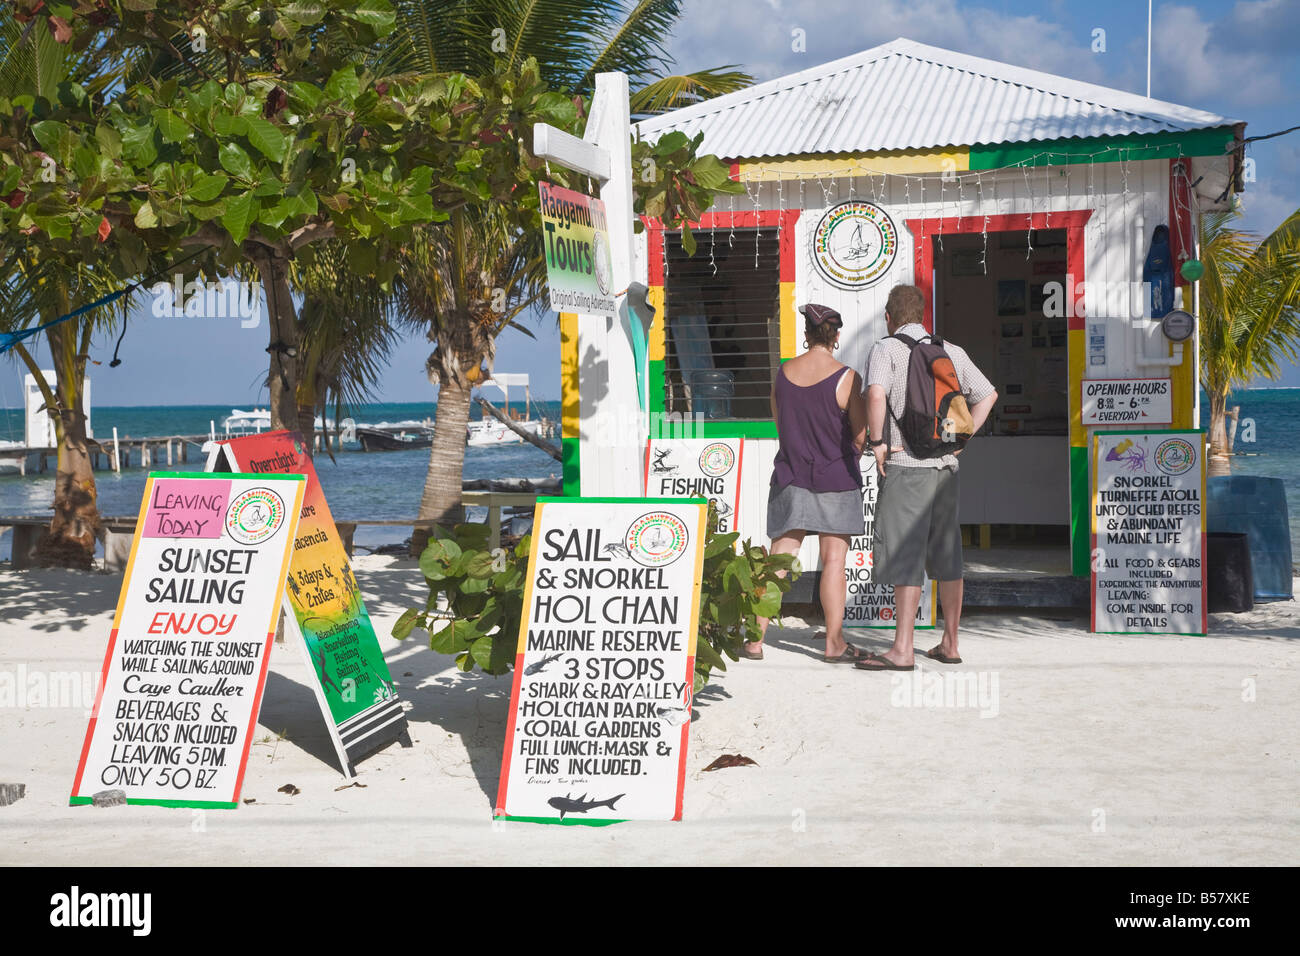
x=357, y=484
x=388, y=485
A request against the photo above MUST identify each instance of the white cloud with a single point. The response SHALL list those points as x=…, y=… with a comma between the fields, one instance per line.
x=1192, y=61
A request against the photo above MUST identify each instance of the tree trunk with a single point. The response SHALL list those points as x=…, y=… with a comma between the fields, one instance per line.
x=1220, y=462
x=70, y=541
x=306, y=426
x=283, y=322
x=441, y=499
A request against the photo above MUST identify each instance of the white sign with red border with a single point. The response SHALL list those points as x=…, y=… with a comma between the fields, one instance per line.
x=697, y=468
x=1127, y=401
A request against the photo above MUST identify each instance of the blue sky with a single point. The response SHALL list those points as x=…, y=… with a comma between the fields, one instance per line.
x=1237, y=59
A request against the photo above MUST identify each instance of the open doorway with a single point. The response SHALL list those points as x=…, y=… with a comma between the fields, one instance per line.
x=992, y=296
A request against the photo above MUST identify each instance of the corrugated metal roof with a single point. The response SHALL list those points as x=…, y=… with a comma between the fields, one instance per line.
x=906, y=95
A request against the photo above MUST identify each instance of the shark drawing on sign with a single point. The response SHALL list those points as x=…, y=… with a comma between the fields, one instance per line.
x=538, y=666
x=567, y=804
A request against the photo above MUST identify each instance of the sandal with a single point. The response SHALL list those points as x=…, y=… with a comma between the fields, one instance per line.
x=851, y=653
x=875, y=663
x=935, y=654
x=752, y=651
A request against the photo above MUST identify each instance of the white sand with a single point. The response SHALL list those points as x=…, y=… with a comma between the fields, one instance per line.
x=1103, y=750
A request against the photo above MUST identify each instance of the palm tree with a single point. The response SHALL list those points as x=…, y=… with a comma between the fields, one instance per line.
x=1250, y=313
x=33, y=292
x=468, y=279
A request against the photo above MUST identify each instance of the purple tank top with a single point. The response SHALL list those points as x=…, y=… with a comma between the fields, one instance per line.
x=816, y=441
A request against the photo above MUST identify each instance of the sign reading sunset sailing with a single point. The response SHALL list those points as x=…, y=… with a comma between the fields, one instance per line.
x=353, y=685
x=578, y=268
x=697, y=468
x=187, y=655
x=1148, y=532
x=601, y=707
x=868, y=604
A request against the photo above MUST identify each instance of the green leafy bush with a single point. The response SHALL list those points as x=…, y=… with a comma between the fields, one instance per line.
x=484, y=592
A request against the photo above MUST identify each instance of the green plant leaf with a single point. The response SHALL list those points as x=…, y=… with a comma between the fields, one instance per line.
x=769, y=605
x=234, y=160
x=266, y=138
x=238, y=217
x=403, y=626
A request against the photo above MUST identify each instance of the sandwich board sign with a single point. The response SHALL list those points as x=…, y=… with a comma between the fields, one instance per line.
x=354, y=688
x=1148, y=532
x=600, y=711
x=697, y=467
x=187, y=655
x=868, y=604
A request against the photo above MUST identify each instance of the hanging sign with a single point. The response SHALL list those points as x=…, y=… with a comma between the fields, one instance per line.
x=1148, y=532
x=868, y=604
x=187, y=655
x=353, y=686
x=578, y=268
x=697, y=468
x=854, y=244
x=601, y=707
x=1127, y=401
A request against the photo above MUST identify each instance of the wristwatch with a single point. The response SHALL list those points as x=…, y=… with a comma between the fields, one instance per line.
x=875, y=444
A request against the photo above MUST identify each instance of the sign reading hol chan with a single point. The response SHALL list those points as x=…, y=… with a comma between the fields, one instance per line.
x=601, y=707
x=1148, y=532
x=187, y=655
x=578, y=268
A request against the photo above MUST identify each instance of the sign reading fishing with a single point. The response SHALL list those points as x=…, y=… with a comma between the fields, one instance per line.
x=604, y=672
x=697, y=468
x=187, y=654
x=578, y=267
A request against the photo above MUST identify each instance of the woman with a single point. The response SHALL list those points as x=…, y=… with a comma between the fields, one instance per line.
x=821, y=423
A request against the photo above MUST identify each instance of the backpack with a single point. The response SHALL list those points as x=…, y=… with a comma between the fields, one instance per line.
x=936, y=420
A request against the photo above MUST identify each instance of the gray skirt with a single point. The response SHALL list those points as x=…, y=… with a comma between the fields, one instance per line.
x=830, y=512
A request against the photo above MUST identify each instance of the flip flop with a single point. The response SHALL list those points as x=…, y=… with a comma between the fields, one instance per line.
x=851, y=653
x=937, y=655
x=747, y=652
x=874, y=663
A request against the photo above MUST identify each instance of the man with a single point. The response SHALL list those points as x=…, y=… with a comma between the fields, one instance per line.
x=916, y=526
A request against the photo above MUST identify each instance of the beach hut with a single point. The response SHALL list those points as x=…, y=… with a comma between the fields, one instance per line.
x=1045, y=219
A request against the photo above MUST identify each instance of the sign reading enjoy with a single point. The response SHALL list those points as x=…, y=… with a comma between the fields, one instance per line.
x=697, y=467
x=187, y=654
x=1148, y=532
x=867, y=603
x=578, y=268
x=601, y=707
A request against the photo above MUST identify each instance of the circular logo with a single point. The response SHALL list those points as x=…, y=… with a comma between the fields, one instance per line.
x=255, y=515
x=1175, y=456
x=600, y=263
x=716, y=459
x=854, y=244
x=656, y=539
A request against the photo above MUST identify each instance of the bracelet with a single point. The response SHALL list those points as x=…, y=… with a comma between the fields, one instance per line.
x=875, y=444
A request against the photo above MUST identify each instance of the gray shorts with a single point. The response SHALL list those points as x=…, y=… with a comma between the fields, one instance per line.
x=916, y=529
x=816, y=512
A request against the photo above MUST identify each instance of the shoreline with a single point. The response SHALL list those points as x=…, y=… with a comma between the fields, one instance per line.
x=1149, y=736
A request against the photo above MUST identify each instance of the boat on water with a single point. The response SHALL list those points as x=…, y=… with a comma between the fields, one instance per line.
x=247, y=423
x=489, y=431
x=378, y=439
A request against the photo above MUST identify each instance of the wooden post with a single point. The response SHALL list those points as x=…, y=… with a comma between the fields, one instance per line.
x=169, y=451
x=494, y=522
